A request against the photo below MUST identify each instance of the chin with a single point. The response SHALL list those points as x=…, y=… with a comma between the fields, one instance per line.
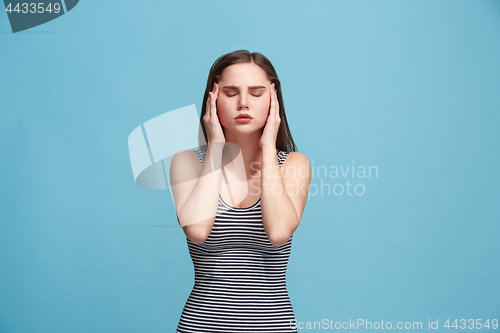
x=244, y=129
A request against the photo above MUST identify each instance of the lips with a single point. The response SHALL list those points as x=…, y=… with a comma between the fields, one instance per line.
x=243, y=116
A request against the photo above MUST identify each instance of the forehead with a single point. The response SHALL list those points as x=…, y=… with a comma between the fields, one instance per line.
x=244, y=75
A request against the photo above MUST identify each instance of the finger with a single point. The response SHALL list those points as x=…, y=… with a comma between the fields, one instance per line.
x=210, y=99
x=217, y=90
x=212, y=105
x=271, y=113
x=277, y=104
x=208, y=105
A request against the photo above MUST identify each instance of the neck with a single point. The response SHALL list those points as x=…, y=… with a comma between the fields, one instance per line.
x=249, y=145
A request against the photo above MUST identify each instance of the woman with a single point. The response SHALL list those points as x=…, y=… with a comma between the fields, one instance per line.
x=240, y=209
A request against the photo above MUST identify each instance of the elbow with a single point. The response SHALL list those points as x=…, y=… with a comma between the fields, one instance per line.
x=279, y=239
x=197, y=239
x=197, y=232
x=195, y=236
x=277, y=244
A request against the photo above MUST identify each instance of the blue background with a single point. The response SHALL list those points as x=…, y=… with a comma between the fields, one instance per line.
x=408, y=86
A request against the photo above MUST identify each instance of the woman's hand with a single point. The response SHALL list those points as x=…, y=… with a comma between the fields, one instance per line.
x=211, y=120
x=270, y=133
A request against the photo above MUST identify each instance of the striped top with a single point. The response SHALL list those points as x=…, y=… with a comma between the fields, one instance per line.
x=240, y=281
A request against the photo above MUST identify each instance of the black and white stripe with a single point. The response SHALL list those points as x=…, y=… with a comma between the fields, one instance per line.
x=240, y=277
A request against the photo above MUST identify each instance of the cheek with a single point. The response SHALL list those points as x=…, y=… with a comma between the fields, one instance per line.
x=223, y=113
x=266, y=104
x=263, y=115
x=265, y=108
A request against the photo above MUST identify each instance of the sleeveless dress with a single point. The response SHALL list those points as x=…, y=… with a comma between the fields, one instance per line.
x=240, y=281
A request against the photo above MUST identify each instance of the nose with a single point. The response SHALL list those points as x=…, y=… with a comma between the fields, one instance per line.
x=243, y=102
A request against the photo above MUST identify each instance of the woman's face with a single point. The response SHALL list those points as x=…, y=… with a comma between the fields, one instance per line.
x=244, y=88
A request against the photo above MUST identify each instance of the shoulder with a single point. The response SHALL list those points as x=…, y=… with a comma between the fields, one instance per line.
x=183, y=155
x=295, y=159
x=185, y=160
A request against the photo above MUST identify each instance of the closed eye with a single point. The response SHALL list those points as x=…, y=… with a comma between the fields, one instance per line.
x=236, y=94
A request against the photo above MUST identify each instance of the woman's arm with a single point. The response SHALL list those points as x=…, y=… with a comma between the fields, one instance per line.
x=283, y=194
x=196, y=190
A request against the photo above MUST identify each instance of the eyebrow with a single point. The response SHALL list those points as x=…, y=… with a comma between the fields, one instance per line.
x=251, y=87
